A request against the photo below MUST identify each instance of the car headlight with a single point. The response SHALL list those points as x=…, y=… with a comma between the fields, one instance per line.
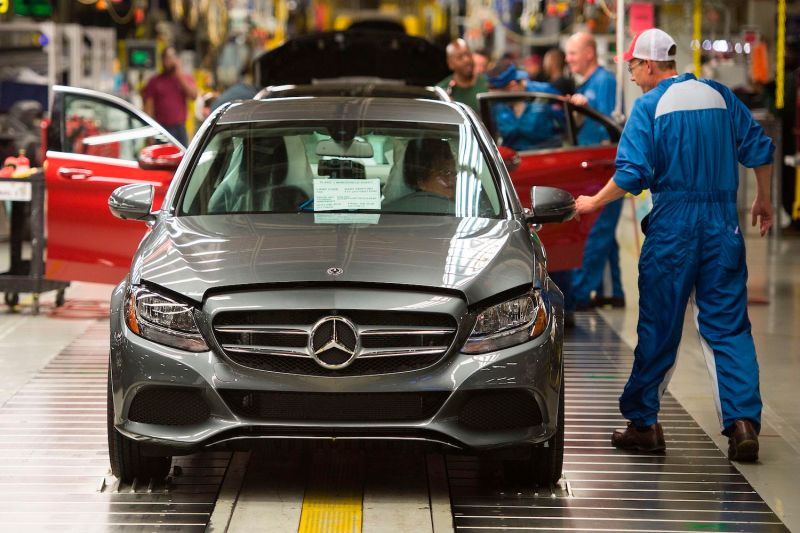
x=163, y=320
x=508, y=324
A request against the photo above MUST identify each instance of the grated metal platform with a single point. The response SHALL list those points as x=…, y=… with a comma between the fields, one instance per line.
x=692, y=488
x=54, y=470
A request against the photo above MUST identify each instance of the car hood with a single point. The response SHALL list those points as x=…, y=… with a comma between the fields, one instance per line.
x=475, y=257
x=355, y=53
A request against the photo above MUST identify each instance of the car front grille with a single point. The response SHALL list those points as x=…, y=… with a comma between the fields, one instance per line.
x=334, y=407
x=390, y=341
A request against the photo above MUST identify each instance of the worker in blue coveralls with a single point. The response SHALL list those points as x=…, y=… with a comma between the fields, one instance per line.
x=599, y=91
x=524, y=125
x=683, y=141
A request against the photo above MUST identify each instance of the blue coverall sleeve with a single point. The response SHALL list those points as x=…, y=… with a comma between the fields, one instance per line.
x=753, y=147
x=506, y=122
x=607, y=96
x=635, y=152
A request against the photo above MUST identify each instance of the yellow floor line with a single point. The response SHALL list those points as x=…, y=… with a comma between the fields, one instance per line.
x=333, y=499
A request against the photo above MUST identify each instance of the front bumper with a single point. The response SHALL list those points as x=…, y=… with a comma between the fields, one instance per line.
x=533, y=369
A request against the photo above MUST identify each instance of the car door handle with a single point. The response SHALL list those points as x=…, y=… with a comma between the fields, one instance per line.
x=595, y=163
x=74, y=173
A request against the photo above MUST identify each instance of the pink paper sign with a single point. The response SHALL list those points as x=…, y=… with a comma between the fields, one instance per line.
x=641, y=16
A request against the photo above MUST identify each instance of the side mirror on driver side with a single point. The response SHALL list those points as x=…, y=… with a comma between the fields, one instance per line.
x=133, y=202
x=549, y=204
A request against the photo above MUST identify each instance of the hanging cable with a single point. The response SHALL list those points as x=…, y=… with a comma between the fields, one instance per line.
x=609, y=12
x=116, y=16
x=217, y=18
x=178, y=9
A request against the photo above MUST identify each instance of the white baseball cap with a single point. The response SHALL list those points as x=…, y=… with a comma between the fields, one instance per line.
x=652, y=44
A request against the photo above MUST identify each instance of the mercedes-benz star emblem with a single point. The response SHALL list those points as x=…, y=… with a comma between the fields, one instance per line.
x=334, y=342
x=335, y=271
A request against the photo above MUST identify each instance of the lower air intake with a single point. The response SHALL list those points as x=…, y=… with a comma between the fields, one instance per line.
x=336, y=407
x=168, y=406
x=500, y=409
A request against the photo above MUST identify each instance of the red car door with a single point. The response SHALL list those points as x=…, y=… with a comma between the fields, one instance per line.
x=95, y=143
x=551, y=157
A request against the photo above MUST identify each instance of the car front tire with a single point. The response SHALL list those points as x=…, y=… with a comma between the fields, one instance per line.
x=127, y=460
x=544, y=465
x=547, y=462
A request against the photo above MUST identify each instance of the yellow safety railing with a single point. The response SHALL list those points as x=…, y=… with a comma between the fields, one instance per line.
x=697, y=34
x=780, y=54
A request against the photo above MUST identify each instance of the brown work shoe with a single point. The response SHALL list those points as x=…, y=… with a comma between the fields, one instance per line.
x=743, y=442
x=650, y=439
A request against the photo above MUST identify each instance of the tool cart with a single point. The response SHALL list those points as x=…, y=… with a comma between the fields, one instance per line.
x=26, y=196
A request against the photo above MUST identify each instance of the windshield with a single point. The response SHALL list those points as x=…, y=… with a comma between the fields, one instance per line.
x=342, y=167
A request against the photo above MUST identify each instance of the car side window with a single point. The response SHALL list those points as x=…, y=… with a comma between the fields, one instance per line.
x=530, y=123
x=98, y=128
x=590, y=131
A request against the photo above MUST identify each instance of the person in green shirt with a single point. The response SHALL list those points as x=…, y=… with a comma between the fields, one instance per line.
x=463, y=85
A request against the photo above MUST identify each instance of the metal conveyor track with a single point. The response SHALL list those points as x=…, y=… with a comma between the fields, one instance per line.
x=692, y=488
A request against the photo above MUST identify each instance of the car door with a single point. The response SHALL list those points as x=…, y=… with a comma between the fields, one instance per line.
x=551, y=155
x=96, y=143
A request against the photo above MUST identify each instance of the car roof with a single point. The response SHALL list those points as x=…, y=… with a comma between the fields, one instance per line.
x=343, y=108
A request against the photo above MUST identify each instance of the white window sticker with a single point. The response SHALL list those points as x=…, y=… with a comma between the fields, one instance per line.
x=15, y=191
x=336, y=194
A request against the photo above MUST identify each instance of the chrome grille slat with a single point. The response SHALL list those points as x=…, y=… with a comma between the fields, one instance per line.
x=265, y=350
x=402, y=352
x=400, y=330
x=249, y=328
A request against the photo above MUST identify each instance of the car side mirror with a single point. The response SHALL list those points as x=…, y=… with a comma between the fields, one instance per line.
x=549, y=204
x=510, y=157
x=132, y=202
x=160, y=157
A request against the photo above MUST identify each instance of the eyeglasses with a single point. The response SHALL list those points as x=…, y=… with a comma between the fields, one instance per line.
x=443, y=174
x=632, y=66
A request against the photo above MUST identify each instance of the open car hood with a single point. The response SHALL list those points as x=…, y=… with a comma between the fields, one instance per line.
x=353, y=53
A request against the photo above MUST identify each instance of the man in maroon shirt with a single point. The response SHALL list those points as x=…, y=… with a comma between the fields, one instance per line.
x=165, y=95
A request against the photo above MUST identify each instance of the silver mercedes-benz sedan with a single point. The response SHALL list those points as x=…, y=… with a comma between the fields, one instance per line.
x=338, y=268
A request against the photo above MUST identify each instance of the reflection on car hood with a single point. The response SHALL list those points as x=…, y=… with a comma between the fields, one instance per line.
x=474, y=256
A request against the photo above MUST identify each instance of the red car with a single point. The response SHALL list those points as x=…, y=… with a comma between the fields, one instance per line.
x=95, y=143
x=557, y=161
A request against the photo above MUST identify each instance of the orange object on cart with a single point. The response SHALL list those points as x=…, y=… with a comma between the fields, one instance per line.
x=759, y=69
x=23, y=163
x=9, y=166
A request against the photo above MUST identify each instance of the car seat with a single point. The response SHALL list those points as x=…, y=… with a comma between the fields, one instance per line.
x=395, y=186
x=257, y=180
x=298, y=170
